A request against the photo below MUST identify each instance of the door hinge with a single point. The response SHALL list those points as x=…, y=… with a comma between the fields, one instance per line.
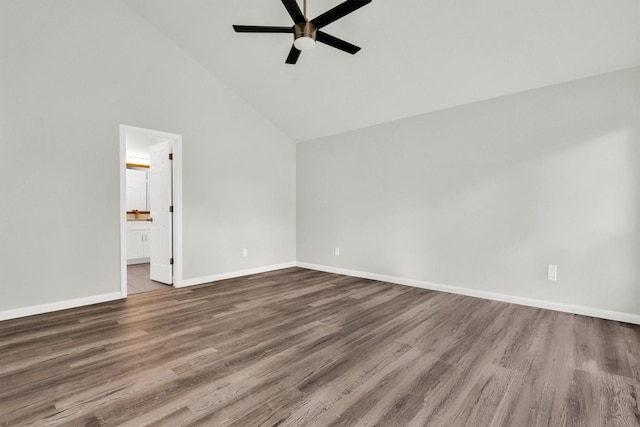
x=170, y=208
x=170, y=156
x=170, y=260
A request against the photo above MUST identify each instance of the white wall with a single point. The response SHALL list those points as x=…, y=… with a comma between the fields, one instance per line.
x=72, y=72
x=484, y=196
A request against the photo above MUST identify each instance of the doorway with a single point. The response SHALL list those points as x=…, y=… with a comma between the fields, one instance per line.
x=150, y=206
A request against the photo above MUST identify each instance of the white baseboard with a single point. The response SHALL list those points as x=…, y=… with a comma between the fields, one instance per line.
x=232, y=274
x=55, y=306
x=567, y=308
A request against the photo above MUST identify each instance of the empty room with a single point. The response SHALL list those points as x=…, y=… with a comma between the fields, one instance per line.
x=320, y=212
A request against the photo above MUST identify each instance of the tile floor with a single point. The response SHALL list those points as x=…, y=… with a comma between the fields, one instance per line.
x=138, y=280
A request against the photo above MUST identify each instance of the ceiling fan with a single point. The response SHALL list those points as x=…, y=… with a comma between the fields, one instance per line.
x=307, y=32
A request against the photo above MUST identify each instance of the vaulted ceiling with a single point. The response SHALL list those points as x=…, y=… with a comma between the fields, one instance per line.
x=417, y=56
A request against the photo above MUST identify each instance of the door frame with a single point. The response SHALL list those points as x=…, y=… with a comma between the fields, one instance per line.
x=177, y=202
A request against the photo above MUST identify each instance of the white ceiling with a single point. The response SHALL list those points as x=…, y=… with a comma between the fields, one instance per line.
x=417, y=56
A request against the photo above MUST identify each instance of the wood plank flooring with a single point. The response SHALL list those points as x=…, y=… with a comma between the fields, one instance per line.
x=301, y=347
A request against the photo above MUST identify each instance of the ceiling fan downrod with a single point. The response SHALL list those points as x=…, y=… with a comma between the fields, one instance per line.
x=304, y=33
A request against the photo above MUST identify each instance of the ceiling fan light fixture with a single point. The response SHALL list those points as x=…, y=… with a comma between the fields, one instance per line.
x=304, y=36
x=304, y=43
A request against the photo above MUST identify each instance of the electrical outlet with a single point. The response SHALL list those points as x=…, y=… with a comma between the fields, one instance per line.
x=337, y=251
x=245, y=252
x=552, y=272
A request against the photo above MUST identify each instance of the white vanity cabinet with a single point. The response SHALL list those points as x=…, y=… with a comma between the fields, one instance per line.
x=138, y=235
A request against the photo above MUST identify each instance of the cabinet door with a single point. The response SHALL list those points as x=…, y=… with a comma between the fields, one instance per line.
x=136, y=244
x=146, y=246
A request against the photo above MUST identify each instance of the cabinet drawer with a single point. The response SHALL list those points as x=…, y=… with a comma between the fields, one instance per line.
x=138, y=226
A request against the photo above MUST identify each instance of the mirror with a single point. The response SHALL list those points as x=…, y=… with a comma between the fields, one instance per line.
x=137, y=187
x=137, y=158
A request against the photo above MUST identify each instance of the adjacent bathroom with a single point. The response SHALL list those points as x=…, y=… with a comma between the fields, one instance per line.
x=139, y=243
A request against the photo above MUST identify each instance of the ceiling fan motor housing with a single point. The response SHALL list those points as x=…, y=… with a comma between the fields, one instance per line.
x=304, y=29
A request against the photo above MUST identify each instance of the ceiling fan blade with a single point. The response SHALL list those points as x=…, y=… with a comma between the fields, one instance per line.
x=325, y=38
x=338, y=12
x=261, y=29
x=294, y=54
x=294, y=10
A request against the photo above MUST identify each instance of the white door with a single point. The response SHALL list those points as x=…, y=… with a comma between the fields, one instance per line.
x=160, y=200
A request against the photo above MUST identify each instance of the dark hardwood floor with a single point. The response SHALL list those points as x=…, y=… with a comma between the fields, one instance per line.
x=301, y=347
